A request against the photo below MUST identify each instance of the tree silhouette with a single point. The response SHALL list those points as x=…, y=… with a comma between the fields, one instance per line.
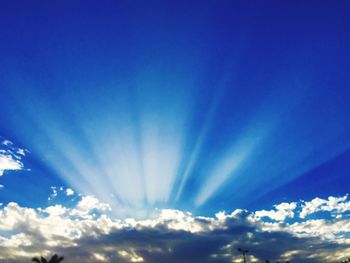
x=54, y=259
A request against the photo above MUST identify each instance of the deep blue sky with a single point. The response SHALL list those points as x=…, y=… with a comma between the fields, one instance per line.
x=195, y=105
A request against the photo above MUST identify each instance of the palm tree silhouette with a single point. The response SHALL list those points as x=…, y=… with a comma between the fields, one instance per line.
x=54, y=259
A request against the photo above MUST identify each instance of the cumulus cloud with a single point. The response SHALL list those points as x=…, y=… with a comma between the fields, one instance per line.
x=280, y=213
x=337, y=205
x=10, y=157
x=87, y=232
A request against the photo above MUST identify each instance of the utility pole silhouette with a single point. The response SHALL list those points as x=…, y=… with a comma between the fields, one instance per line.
x=244, y=252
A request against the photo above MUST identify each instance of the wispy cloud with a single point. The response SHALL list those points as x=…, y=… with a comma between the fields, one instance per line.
x=86, y=232
x=60, y=191
x=53, y=194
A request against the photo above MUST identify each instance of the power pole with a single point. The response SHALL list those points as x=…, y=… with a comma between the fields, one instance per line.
x=244, y=252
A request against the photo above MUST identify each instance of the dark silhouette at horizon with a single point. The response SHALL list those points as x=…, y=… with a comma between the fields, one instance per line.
x=54, y=259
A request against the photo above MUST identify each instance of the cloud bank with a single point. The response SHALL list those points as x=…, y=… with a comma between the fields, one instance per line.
x=314, y=231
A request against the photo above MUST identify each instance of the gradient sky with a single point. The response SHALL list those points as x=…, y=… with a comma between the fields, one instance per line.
x=196, y=106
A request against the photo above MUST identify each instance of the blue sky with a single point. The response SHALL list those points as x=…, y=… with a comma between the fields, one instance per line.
x=203, y=108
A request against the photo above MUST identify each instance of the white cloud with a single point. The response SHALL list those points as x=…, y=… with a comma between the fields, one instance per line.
x=69, y=192
x=332, y=204
x=7, y=142
x=88, y=206
x=7, y=163
x=13, y=215
x=10, y=157
x=21, y=152
x=87, y=233
x=281, y=212
x=89, y=203
x=56, y=210
x=130, y=255
x=53, y=194
x=58, y=191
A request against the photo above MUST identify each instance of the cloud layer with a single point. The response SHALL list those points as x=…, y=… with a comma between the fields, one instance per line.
x=314, y=231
